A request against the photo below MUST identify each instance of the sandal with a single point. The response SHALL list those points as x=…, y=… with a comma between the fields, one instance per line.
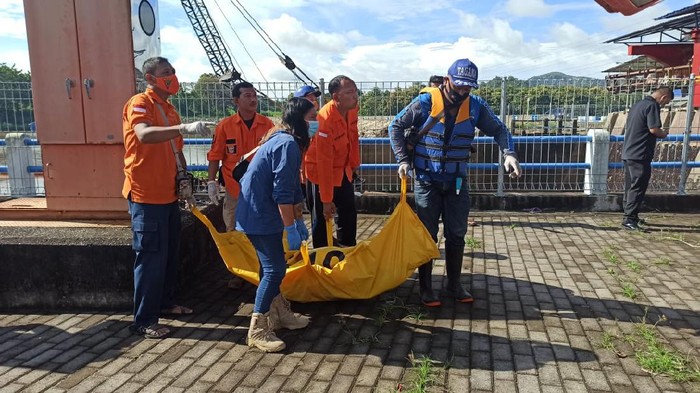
x=176, y=310
x=154, y=331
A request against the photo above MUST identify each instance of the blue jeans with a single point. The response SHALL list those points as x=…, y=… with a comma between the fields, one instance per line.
x=435, y=199
x=156, y=241
x=273, y=267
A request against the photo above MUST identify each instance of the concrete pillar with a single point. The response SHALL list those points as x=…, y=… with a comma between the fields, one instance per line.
x=597, y=152
x=19, y=157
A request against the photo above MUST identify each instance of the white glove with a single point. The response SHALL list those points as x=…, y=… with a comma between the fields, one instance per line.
x=404, y=168
x=512, y=165
x=198, y=127
x=213, y=191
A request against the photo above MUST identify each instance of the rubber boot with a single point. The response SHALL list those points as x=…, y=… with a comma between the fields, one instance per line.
x=261, y=336
x=282, y=316
x=453, y=266
x=425, y=283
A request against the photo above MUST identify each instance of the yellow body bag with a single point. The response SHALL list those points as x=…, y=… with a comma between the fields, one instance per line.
x=364, y=271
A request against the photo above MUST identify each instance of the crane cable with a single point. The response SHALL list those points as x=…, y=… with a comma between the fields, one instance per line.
x=226, y=45
x=284, y=58
x=246, y=51
x=240, y=40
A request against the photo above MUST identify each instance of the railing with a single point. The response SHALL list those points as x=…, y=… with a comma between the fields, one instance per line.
x=548, y=118
x=483, y=176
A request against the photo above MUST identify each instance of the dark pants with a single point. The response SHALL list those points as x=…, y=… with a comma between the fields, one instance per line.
x=637, y=175
x=156, y=241
x=345, y=220
x=273, y=268
x=440, y=199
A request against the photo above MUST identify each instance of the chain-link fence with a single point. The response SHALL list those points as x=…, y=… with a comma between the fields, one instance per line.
x=549, y=119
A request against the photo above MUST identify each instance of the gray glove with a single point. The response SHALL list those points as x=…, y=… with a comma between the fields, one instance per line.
x=404, y=170
x=512, y=165
x=213, y=191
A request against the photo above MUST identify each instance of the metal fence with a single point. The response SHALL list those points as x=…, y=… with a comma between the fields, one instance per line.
x=540, y=113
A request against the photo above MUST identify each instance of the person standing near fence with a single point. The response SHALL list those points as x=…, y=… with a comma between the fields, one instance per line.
x=235, y=136
x=432, y=135
x=332, y=159
x=642, y=129
x=153, y=143
x=435, y=80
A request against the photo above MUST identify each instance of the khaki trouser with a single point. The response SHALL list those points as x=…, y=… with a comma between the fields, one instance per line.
x=229, y=212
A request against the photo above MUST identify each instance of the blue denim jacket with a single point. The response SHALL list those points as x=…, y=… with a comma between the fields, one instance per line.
x=272, y=179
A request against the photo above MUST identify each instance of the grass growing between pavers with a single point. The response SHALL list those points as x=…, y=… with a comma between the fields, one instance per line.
x=627, y=285
x=423, y=376
x=663, y=261
x=394, y=309
x=651, y=354
x=473, y=242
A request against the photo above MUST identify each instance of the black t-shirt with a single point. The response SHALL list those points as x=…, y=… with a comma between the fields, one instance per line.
x=249, y=122
x=639, y=142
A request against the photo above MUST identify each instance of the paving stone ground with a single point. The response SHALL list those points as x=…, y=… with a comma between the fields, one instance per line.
x=548, y=289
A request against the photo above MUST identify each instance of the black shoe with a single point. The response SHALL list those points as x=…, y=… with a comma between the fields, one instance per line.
x=429, y=298
x=459, y=293
x=632, y=226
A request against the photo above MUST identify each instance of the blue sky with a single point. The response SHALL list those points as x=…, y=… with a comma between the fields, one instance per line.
x=374, y=40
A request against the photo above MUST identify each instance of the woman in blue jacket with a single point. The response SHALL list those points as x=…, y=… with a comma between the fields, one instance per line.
x=267, y=211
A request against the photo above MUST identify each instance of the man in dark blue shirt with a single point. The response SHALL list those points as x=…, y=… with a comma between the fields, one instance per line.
x=642, y=129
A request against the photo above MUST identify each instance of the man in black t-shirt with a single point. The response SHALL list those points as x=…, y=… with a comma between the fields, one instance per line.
x=642, y=129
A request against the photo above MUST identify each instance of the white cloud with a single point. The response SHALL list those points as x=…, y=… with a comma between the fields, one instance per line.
x=541, y=9
x=525, y=8
x=12, y=19
x=17, y=57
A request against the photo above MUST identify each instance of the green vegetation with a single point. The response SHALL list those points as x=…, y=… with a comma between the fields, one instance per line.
x=16, y=108
x=634, y=266
x=473, y=242
x=656, y=358
x=652, y=355
x=610, y=253
x=396, y=309
x=628, y=290
x=424, y=374
x=663, y=261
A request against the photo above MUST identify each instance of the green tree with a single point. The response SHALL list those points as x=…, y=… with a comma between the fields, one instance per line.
x=12, y=74
x=16, y=108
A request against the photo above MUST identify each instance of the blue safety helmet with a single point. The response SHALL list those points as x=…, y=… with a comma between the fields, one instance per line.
x=304, y=90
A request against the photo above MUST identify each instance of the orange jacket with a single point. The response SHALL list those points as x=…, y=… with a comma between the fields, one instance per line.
x=149, y=168
x=334, y=151
x=232, y=140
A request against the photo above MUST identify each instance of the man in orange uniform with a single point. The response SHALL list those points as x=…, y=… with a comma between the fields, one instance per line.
x=330, y=162
x=234, y=137
x=151, y=125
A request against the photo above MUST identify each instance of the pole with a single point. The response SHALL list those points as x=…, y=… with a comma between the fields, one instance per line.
x=501, y=171
x=322, y=88
x=686, y=136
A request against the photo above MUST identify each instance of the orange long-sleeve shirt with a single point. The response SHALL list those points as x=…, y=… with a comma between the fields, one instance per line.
x=334, y=151
x=232, y=140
